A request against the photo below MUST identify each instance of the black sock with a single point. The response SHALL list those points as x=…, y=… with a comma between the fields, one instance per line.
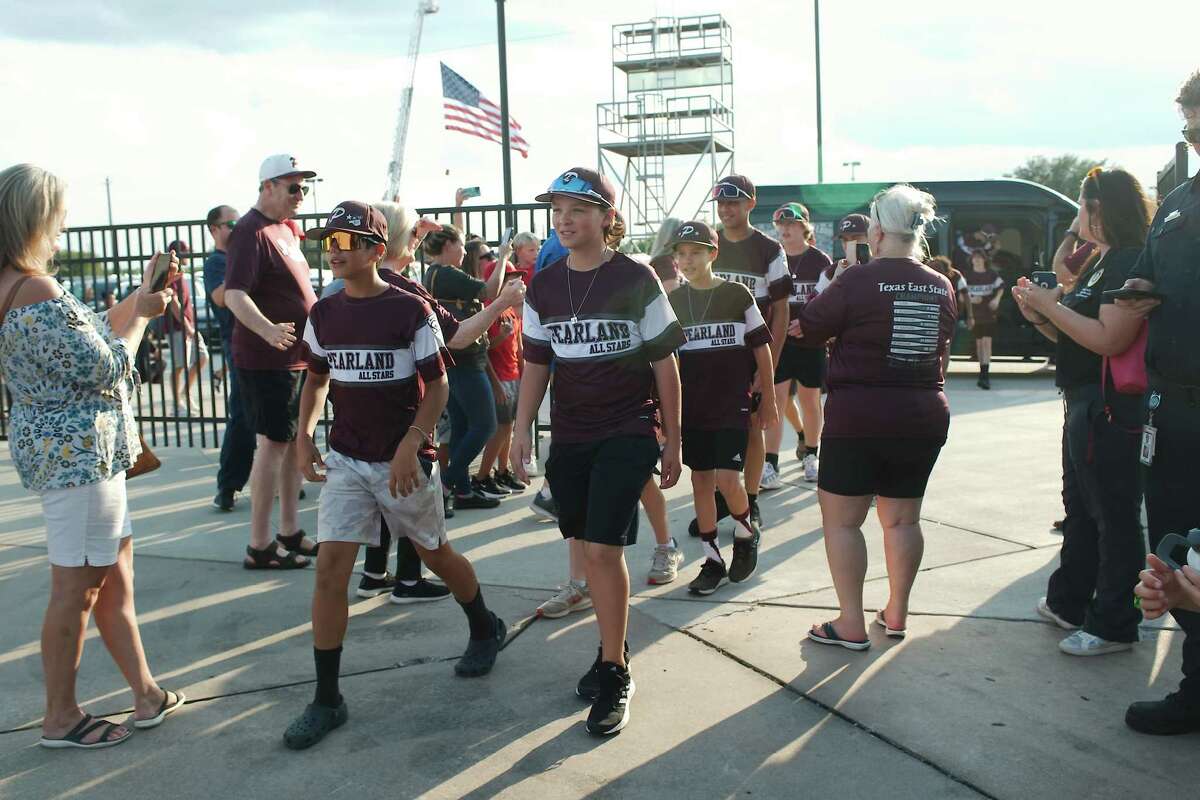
x=328, y=663
x=773, y=460
x=478, y=617
x=722, y=507
x=753, y=498
x=810, y=451
x=983, y=369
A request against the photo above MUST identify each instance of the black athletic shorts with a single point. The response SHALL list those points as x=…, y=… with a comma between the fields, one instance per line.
x=888, y=467
x=721, y=449
x=597, y=486
x=803, y=364
x=271, y=400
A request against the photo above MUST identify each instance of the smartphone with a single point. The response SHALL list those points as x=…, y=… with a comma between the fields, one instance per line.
x=507, y=237
x=470, y=191
x=1046, y=280
x=1133, y=294
x=1178, y=550
x=160, y=269
x=862, y=253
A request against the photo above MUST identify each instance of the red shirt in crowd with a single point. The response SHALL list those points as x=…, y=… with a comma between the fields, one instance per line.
x=183, y=295
x=893, y=319
x=505, y=356
x=265, y=262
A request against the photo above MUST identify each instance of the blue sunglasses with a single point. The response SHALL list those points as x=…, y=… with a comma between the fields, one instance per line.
x=571, y=183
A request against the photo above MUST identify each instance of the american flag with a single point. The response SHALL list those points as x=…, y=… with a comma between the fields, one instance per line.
x=468, y=111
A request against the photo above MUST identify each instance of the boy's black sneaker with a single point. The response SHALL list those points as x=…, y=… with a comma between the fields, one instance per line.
x=745, y=556
x=1170, y=716
x=984, y=382
x=590, y=684
x=712, y=575
x=545, y=506
x=448, y=505
x=474, y=499
x=509, y=481
x=422, y=591
x=225, y=500
x=480, y=655
x=610, y=711
x=488, y=488
x=370, y=587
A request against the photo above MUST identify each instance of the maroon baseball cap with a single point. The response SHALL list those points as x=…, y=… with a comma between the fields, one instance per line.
x=853, y=225
x=695, y=232
x=582, y=184
x=734, y=187
x=352, y=216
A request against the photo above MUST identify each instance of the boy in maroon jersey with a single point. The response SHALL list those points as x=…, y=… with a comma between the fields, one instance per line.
x=986, y=288
x=381, y=349
x=727, y=342
x=604, y=321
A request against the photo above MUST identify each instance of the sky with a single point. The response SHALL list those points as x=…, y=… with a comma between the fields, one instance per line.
x=177, y=104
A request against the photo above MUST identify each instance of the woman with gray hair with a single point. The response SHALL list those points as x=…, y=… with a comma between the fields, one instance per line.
x=72, y=437
x=886, y=416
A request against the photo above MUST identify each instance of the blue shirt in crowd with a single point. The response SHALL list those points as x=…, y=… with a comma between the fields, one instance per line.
x=214, y=276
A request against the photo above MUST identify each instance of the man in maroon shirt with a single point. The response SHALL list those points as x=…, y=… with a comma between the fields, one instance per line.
x=268, y=290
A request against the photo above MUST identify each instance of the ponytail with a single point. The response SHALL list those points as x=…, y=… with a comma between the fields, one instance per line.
x=614, y=232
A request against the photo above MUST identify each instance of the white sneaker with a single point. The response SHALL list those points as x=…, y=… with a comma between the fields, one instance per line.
x=811, y=465
x=1082, y=643
x=664, y=565
x=573, y=597
x=770, y=478
x=532, y=467
x=1043, y=608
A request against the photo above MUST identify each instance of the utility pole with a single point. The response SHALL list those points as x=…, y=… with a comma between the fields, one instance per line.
x=108, y=194
x=505, y=136
x=852, y=165
x=820, y=139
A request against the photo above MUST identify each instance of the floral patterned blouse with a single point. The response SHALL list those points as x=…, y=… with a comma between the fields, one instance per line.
x=71, y=378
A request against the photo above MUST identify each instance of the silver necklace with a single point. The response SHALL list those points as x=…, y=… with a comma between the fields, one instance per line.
x=596, y=272
x=711, y=293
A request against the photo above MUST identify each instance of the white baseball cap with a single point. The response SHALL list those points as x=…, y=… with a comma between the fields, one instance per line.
x=283, y=164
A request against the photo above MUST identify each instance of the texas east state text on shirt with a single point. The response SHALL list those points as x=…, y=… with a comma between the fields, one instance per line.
x=758, y=263
x=602, y=329
x=716, y=364
x=373, y=349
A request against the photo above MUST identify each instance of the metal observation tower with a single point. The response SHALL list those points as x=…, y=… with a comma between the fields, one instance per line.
x=667, y=135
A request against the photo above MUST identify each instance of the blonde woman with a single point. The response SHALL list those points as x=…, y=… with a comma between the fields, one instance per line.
x=72, y=436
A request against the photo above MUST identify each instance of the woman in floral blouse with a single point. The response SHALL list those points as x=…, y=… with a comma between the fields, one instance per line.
x=72, y=435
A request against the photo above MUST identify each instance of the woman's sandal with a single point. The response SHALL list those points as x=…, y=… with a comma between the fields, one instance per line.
x=892, y=633
x=831, y=637
x=167, y=707
x=75, y=737
x=295, y=544
x=313, y=725
x=270, y=559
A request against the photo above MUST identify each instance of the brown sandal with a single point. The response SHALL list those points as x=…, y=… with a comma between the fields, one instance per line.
x=270, y=559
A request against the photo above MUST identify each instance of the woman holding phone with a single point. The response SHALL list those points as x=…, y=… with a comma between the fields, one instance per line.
x=1102, y=548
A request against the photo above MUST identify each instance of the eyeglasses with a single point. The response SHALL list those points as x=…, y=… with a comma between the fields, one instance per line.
x=345, y=241
x=1191, y=135
x=570, y=182
x=730, y=191
x=790, y=213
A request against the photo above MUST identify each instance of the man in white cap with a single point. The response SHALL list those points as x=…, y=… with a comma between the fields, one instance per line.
x=268, y=290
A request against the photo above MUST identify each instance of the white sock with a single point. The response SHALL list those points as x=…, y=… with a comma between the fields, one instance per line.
x=409, y=584
x=373, y=575
x=709, y=546
x=742, y=529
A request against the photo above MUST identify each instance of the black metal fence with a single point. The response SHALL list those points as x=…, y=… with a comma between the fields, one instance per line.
x=175, y=406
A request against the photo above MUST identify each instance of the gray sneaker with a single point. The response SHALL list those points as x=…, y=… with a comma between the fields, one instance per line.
x=664, y=565
x=573, y=597
x=770, y=479
x=1082, y=643
x=811, y=468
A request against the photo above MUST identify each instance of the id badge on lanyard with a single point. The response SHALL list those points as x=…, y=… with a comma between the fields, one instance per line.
x=1149, y=432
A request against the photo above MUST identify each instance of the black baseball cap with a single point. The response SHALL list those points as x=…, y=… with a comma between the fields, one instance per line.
x=853, y=225
x=734, y=187
x=582, y=184
x=695, y=232
x=352, y=216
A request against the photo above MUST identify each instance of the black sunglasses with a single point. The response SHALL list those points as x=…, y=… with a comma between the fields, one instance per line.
x=298, y=188
x=1191, y=135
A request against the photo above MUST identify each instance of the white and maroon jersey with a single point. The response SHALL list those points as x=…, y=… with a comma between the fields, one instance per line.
x=806, y=270
x=983, y=288
x=722, y=325
x=602, y=329
x=758, y=263
x=374, y=349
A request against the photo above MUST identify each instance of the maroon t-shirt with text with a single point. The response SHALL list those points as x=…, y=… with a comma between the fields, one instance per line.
x=893, y=319
x=373, y=349
x=602, y=334
x=982, y=287
x=446, y=320
x=758, y=263
x=265, y=261
x=806, y=270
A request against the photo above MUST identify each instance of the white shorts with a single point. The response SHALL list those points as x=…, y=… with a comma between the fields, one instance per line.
x=85, y=524
x=355, y=496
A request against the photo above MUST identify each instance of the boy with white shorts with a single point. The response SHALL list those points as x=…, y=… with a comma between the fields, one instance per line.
x=380, y=349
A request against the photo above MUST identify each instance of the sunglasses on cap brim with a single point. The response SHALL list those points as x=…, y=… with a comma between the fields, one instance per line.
x=572, y=184
x=346, y=241
x=729, y=191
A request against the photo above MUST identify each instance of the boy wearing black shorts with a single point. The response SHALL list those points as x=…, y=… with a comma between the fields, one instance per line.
x=379, y=348
x=604, y=321
x=727, y=343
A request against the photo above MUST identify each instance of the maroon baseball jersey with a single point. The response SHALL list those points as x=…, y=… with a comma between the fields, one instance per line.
x=446, y=320
x=602, y=329
x=893, y=319
x=265, y=262
x=722, y=326
x=806, y=270
x=982, y=288
x=758, y=263
x=373, y=349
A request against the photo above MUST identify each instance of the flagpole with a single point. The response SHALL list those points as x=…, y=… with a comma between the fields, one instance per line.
x=505, y=142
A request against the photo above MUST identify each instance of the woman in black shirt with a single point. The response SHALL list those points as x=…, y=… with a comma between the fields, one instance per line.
x=1102, y=548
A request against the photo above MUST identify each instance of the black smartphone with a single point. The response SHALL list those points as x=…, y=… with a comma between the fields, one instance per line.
x=160, y=271
x=862, y=252
x=1133, y=294
x=1046, y=280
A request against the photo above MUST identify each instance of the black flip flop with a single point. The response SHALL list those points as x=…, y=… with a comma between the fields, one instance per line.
x=164, y=710
x=75, y=736
x=295, y=544
x=314, y=724
x=831, y=637
x=270, y=559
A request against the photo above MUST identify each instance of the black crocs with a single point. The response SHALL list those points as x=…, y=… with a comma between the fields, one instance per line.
x=480, y=655
x=312, y=726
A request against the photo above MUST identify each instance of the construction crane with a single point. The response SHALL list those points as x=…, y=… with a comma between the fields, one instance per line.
x=396, y=166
